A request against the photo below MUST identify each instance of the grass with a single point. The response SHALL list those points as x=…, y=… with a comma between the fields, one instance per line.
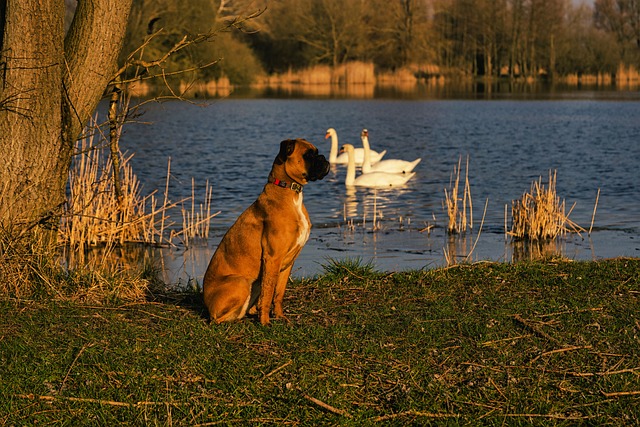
x=544, y=343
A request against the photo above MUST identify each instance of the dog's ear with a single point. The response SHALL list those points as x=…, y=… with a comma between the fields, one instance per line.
x=286, y=149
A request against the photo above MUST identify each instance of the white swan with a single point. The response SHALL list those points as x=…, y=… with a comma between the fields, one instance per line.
x=372, y=179
x=386, y=165
x=342, y=159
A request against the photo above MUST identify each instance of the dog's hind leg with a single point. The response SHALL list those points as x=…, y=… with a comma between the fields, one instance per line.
x=228, y=299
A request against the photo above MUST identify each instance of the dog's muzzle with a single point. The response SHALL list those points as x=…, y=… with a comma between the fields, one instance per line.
x=318, y=168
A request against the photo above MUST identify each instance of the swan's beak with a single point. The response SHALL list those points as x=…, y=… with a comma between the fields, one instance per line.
x=364, y=133
x=327, y=135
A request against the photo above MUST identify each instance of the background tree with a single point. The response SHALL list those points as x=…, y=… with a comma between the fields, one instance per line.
x=584, y=49
x=622, y=19
x=158, y=25
x=317, y=31
x=399, y=36
x=49, y=87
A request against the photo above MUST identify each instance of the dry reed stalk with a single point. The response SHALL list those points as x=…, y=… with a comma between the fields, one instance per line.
x=166, y=197
x=593, y=216
x=447, y=257
x=540, y=214
x=473, y=248
x=196, y=223
x=506, y=229
x=451, y=201
x=376, y=221
x=467, y=195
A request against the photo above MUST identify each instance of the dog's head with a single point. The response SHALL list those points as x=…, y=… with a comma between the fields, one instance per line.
x=301, y=161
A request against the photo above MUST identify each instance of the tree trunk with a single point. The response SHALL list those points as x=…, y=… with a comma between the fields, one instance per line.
x=48, y=90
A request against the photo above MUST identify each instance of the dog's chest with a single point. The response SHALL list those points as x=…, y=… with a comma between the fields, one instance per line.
x=304, y=227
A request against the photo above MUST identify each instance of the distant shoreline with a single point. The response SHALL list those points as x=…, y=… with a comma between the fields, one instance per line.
x=362, y=81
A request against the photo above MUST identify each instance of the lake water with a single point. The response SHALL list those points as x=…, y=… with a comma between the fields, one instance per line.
x=592, y=142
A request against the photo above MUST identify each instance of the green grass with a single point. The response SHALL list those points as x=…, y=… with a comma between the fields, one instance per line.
x=543, y=343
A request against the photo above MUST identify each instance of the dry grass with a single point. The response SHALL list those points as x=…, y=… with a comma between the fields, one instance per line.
x=96, y=217
x=23, y=259
x=355, y=72
x=30, y=267
x=94, y=213
x=457, y=207
x=540, y=214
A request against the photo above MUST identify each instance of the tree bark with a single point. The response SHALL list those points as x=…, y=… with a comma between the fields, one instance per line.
x=49, y=87
x=30, y=118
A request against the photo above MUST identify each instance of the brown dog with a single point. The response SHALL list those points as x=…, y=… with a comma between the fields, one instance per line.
x=254, y=259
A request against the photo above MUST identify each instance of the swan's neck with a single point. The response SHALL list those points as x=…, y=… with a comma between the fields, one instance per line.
x=333, y=154
x=366, y=163
x=351, y=169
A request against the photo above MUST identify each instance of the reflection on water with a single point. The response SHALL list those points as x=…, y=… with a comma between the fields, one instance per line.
x=459, y=248
x=179, y=267
x=523, y=250
x=492, y=89
x=367, y=207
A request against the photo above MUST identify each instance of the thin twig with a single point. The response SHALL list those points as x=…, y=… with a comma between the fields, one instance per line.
x=89, y=400
x=550, y=416
x=415, y=414
x=480, y=230
x=519, y=337
x=566, y=349
x=84, y=347
x=278, y=369
x=622, y=393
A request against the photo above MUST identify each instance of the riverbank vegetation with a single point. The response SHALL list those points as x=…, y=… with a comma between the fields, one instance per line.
x=549, y=342
x=400, y=42
x=98, y=215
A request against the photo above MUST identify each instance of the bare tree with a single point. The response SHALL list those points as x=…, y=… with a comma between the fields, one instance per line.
x=329, y=31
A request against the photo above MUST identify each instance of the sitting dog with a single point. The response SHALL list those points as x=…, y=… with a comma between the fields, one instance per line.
x=251, y=266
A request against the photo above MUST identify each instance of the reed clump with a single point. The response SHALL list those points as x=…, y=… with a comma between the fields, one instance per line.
x=456, y=206
x=540, y=214
x=96, y=216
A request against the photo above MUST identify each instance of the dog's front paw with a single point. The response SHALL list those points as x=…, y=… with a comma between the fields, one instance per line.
x=264, y=319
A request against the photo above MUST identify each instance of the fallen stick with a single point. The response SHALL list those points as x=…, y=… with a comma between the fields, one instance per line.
x=89, y=400
x=281, y=367
x=565, y=349
x=535, y=329
x=320, y=403
x=622, y=393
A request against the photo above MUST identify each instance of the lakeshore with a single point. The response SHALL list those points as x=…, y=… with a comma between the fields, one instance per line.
x=549, y=342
